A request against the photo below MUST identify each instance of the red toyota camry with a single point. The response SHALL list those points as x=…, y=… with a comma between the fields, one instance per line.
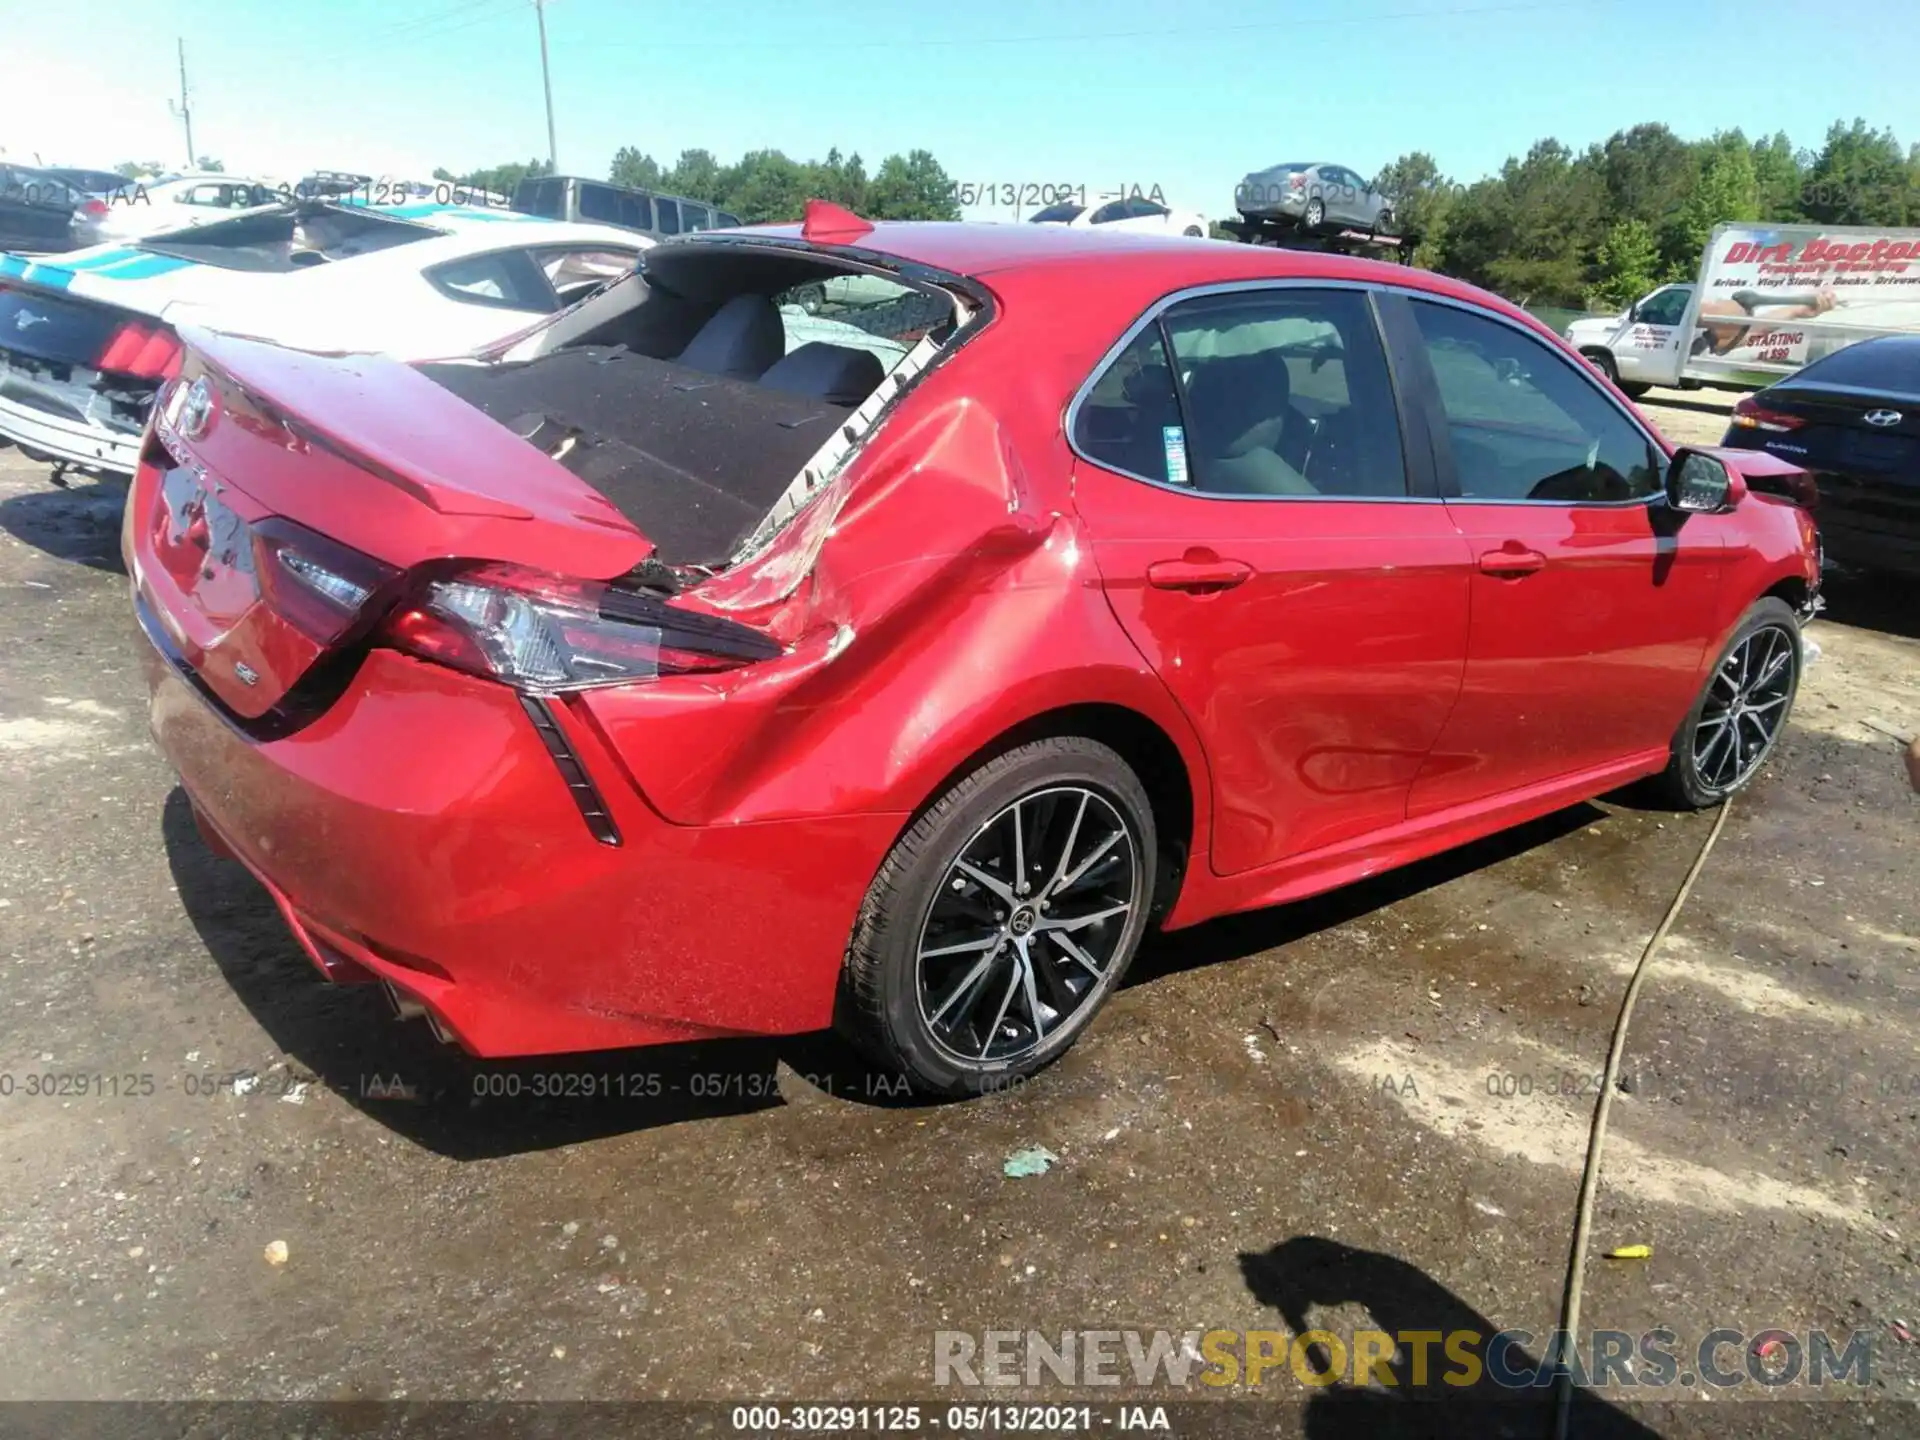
x=884, y=625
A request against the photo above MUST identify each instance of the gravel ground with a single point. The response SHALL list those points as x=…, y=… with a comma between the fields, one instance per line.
x=1342, y=1113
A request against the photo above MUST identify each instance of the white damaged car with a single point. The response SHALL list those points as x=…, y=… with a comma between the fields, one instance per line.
x=87, y=337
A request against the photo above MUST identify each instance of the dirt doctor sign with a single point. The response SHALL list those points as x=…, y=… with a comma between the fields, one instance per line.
x=1786, y=295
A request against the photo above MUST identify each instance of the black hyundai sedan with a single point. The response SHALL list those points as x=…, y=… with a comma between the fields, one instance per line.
x=1851, y=419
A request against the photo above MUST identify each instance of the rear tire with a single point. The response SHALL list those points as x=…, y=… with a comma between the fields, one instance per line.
x=964, y=982
x=1316, y=213
x=1742, y=711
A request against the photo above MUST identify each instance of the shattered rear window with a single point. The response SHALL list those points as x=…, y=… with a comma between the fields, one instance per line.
x=290, y=238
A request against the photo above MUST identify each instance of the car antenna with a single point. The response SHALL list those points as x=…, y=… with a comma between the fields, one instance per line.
x=828, y=223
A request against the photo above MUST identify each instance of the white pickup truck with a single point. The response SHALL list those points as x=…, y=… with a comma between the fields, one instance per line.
x=1768, y=299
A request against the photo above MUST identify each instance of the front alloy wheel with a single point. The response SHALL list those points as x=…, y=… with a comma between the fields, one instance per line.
x=1746, y=703
x=1003, y=918
x=1739, y=717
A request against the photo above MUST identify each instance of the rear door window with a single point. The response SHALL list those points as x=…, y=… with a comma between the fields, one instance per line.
x=666, y=215
x=1130, y=421
x=1264, y=393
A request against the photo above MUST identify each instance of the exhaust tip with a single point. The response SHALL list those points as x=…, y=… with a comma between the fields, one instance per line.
x=406, y=1007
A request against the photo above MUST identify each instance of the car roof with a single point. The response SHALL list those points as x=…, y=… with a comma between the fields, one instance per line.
x=979, y=250
x=479, y=237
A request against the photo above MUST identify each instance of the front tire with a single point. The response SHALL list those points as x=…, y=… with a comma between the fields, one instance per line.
x=1734, y=725
x=1002, y=919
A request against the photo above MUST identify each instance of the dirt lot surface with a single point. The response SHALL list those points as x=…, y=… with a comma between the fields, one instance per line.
x=1352, y=1112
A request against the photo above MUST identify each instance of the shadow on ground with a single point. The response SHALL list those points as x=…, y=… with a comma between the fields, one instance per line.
x=79, y=522
x=1873, y=601
x=350, y=1042
x=1233, y=937
x=1310, y=1272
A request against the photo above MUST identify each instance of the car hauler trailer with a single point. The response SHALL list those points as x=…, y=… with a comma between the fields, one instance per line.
x=1288, y=235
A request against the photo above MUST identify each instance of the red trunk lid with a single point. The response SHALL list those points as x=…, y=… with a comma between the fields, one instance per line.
x=362, y=451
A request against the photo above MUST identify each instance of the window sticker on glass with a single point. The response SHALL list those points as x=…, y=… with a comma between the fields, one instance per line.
x=1175, y=440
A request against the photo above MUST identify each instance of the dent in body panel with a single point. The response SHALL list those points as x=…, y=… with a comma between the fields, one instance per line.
x=963, y=641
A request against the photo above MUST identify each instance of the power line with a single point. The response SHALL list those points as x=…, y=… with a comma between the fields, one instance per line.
x=1083, y=36
x=427, y=27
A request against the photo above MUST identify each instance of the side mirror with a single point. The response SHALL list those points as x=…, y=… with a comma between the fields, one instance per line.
x=1699, y=483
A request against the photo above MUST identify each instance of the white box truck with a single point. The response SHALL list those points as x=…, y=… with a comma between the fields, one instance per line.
x=1768, y=299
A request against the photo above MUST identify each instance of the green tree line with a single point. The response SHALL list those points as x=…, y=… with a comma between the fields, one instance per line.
x=1603, y=227
x=766, y=185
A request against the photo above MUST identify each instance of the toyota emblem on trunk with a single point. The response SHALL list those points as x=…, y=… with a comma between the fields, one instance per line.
x=196, y=409
x=1883, y=418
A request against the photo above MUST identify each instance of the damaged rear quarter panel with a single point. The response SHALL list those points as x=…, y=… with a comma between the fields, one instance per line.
x=956, y=590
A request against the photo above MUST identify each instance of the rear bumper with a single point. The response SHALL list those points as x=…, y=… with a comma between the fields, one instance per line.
x=1264, y=203
x=72, y=439
x=419, y=833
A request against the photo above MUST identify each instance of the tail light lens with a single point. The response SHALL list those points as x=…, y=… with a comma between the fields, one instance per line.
x=543, y=632
x=150, y=352
x=94, y=208
x=316, y=585
x=1296, y=182
x=1748, y=415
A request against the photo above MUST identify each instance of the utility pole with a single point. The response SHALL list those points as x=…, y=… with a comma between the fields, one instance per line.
x=546, y=79
x=186, y=116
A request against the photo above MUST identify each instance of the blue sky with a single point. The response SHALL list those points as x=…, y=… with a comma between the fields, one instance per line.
x=1098, y=93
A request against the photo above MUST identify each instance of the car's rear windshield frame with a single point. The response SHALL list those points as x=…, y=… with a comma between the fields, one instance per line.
x=191, y=244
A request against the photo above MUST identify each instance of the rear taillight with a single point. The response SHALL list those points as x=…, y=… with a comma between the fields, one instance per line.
x=151, y=352
x=1748, y=415
x=94, y=208
x=542, y=632
x=1296, y=182
x=317, y=585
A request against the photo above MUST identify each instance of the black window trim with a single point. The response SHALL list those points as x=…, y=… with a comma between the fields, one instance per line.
x=1416, y=454
x=1448, y=471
